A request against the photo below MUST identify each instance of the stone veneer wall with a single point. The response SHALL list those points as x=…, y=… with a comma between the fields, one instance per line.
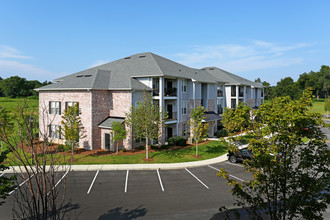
x=120, y=104
x=100, y=111
x=45, y=119
x=211, y=105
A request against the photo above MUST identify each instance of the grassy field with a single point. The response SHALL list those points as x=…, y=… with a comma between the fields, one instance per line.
x=11, y=103
x=318, y=106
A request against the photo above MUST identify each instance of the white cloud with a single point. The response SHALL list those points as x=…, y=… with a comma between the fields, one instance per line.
x=98, y=63
x=10, y=52
x=11, y=64
x=238, y=57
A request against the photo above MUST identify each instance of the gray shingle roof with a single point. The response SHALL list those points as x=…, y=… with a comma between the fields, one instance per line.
x=122, y=74
x=230, y=78
x=107, y=123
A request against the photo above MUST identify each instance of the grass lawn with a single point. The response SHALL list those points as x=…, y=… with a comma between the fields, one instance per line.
x=206, y=151
x=11, y=103
x=318, y=107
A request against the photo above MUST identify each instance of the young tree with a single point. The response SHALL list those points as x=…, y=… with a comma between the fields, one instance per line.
x=6, y=184
x=198, y=128
x=71, y=127
x=146, y=119
x=42, y=196
x=237, y=119
x=118, y=133
x=327, y=106
x=290, y=178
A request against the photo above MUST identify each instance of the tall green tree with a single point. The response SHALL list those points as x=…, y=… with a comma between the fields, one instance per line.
x=198, y=128
x=146, y=120
x=118, y=133
x=290, y=178
x=287, y=87
x=72, y=128
x=327, y=105
x=237, y=119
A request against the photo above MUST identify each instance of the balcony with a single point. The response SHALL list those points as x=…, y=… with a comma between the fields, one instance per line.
x=170, y=91
x=171, y=116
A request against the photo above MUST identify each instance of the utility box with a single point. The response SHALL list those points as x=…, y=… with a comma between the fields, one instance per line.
x=190, y=140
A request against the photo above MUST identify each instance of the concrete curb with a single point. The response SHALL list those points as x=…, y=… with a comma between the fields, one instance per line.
x=154, y=166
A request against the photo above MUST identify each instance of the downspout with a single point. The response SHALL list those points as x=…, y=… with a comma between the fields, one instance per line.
x=194, y=91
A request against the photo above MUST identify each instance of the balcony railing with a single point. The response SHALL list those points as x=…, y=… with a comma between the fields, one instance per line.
x=155, y=92
x=171, y=116
x=170, y=91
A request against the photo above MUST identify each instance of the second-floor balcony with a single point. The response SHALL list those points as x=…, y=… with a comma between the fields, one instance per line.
x=171, y=116
x=170, y=91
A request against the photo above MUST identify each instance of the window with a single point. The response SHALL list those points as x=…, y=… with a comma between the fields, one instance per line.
x=55, y=108
x=220, y=90
x=241, y=91
x=55, y=131
x=233, y=91
x=70, y=104
x=184, y=129
x=262, y=93
x=219, y=106
x=184, y=107
x=233, y=103
x=184, y=85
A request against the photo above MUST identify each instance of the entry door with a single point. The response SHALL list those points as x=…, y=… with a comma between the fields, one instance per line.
x=169, y=132
x=107, y=141
x=170, y=111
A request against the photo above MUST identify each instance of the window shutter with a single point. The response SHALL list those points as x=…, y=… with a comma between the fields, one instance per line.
x=50, y=108
x=59, y=106
x=59, y=132
x=49, y=131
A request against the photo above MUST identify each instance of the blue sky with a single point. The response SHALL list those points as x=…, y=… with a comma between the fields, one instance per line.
x=44, y=40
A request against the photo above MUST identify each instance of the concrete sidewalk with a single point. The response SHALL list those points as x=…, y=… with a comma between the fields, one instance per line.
x=154, y=166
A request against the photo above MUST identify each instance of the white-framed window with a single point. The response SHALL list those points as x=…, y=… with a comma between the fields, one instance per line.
x=220, y=90
x=184, y=107
x=54, y=107
x=219, y=106
x=184, y=85
x=55, y=131
x=233, y=91
x=233, y=103
x=70, y=104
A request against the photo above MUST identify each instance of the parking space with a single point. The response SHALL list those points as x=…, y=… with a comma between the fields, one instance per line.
x=158, y=192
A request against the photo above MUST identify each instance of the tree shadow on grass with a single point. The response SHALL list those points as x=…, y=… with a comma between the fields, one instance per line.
x=120, y=213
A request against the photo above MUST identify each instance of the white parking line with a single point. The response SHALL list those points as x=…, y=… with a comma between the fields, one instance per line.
x=160, y=180
x=126, y=181
x=97, y=172
x=229, y=174
x=197, y=178
x=58, y=182
x=1, y=174
x=21, y=184
x=234, y=164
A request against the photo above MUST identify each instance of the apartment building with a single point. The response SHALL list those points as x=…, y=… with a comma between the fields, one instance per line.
x=106, y=92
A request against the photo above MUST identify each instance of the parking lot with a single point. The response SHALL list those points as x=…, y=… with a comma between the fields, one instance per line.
x=193, y=193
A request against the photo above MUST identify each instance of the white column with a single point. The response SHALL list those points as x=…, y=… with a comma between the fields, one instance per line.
x=161, y=92
x=237, y=95
x=178, y=101
x=244, y=94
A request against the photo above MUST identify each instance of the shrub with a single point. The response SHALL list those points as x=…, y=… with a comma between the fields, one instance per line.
x=163, y=146
x=123, y=150
x=177, y=141
x=141, y=147
x=222, y=133
x=60, y=147
x=154, y=147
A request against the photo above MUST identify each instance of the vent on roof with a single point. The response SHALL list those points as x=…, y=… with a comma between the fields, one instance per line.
x=80, y=76
x=127, y=58
x=142, y=56
x=211, y=69
x=203, y=69
x=88, y=75
x=180, y=70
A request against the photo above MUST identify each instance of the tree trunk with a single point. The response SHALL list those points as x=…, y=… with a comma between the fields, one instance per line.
x=196, y=148
x=117, y=147
x=147, y=149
